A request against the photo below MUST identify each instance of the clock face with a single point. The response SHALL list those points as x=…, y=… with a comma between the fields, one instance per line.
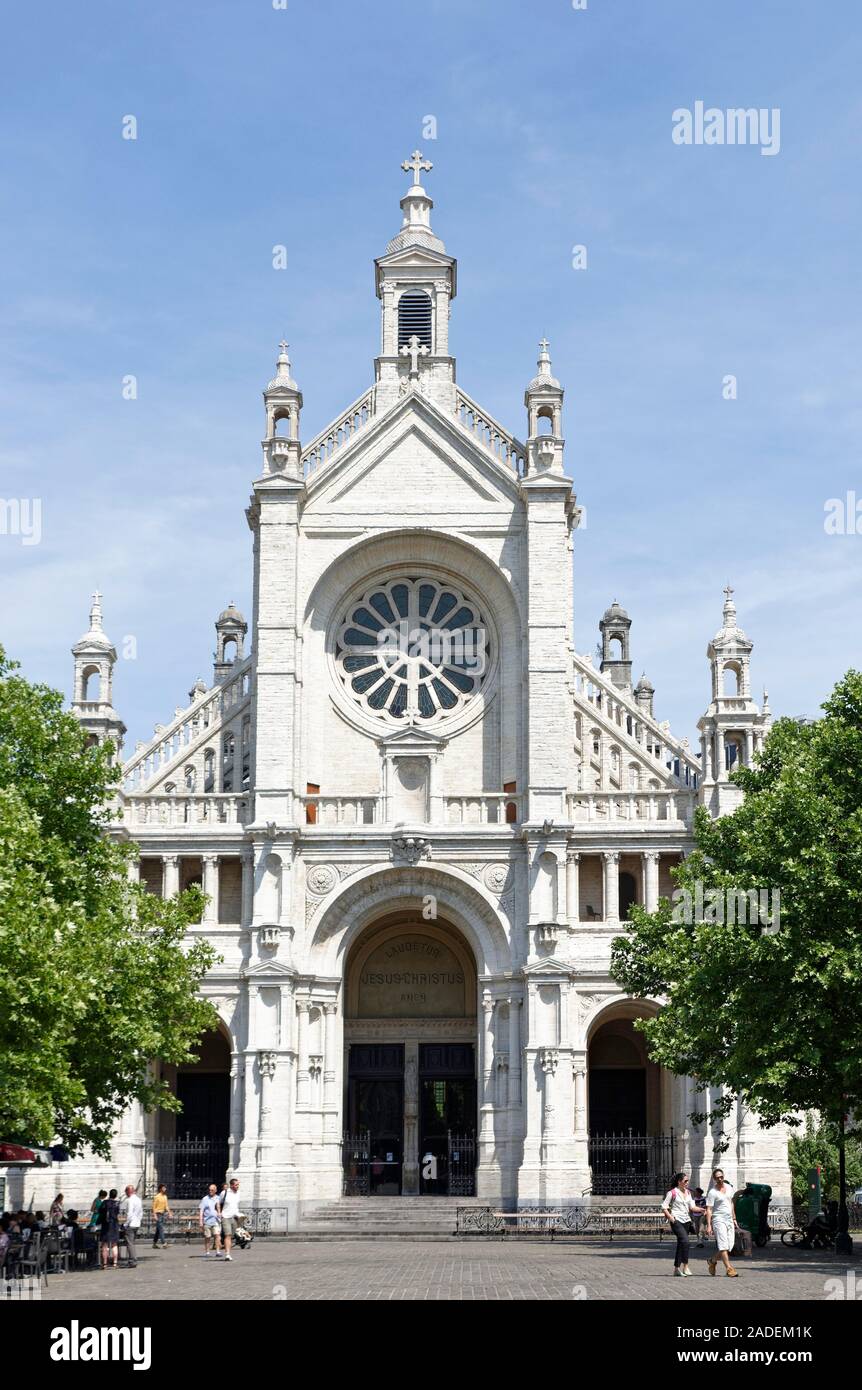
x=413, y=648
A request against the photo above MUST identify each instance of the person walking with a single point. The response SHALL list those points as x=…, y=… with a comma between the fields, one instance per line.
x=210, y=1221
x=677, y=1208
x=56, y=1215
x=109, y=1229
x=162, y=1213
x=134, y=1216
x=230, y=1214
x=721, y=1222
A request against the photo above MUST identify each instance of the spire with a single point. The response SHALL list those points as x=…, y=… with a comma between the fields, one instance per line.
x=282, y=381
x=96, y=613
x=416, y=208
x=729, y=608
x=544, y=377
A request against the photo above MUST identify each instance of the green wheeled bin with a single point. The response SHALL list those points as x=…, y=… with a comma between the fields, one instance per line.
x=752, y=1210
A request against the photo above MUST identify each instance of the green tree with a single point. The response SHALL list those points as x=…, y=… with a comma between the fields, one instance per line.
x=96, y=983
x=816, y=1146
x=770, y=1012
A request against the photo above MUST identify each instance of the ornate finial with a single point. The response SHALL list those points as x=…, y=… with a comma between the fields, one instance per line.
x=766, y=709
x=729, y=607
x=96, y=613
x=283, y=346
x=417, y=164
x=544, y=362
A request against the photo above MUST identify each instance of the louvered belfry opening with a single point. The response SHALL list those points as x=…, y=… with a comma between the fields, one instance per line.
x=414, y=316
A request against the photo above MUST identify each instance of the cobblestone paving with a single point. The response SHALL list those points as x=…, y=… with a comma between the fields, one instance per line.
x=523, y=1269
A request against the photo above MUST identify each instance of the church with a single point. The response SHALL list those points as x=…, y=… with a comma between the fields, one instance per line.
x=420, y=815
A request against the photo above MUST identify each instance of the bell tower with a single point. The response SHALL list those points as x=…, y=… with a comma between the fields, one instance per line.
x=615, y=628
x=95, y=656
x=416, y=282
x=733, y=728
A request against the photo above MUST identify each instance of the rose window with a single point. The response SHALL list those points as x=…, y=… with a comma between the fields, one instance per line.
x=412, y=647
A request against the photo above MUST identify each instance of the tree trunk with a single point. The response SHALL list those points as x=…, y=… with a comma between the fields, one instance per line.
x=843, y=1243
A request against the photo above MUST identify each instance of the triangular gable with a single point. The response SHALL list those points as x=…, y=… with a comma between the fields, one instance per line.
x=415, y=453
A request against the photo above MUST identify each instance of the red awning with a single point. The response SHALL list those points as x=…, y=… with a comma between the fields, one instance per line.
x=16, y=1153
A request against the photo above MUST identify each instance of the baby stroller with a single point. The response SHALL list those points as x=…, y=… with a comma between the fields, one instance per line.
x=242, y=1236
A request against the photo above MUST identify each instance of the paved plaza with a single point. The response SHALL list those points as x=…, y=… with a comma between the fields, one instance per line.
x=514, y=1269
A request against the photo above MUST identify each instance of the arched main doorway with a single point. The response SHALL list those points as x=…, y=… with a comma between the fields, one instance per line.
x=410, y=1043
x=631, y=1143
x=190, y=1149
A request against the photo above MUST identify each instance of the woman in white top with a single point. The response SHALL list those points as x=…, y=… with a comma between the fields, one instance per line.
x=721, y=1222
x=677, y=1208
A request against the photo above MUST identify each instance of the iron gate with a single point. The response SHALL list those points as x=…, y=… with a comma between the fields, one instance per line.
x=356, y=1163
x=461, y=1165
x=632, y=1164
x=187, y=1166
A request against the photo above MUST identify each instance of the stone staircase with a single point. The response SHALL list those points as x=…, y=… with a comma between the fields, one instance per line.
x=382, y=1218
x=412, y=1218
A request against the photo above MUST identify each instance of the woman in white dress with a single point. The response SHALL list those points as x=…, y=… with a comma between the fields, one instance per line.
x=721, y=1222
x=677, y=1208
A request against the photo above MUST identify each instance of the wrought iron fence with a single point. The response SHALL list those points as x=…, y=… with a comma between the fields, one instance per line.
x=187, y=1166
x=356, y=1163
x=461, y=1165
x=631, y=1164
x=486, y=1221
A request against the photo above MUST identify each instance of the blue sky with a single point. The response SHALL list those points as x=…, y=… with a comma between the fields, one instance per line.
x=259, y=126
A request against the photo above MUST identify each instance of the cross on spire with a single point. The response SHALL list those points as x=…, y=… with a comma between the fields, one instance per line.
x=414, y=350
x=417, y=164
x=283, y=346
x=96, y=612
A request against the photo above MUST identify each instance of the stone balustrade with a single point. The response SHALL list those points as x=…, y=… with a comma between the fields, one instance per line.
x=156, y=757
x=489, y=433
x=603, y=808
x=339, y=432
x=214, y=808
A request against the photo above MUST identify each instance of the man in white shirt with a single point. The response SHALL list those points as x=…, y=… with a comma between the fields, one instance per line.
x=230, y=1214
x=134, y=1214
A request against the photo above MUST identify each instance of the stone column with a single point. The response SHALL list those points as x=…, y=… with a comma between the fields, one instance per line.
x=749, y=747
x=579, y=1074
x=442, y=304
x=330, y=1072
x=267, y=1063
x=236, y=1102
x=514, y=1050
x=487, y=1106
x=651, y=866
x=170, y=875
x=549, y=1060
x=210, y=887
x=503, y=1081
x=302, y=1078
x=611, y=886
x=573, y=883
x=247, y=907
x=410, y=1159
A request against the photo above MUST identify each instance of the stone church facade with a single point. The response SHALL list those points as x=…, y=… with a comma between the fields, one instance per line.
x=420, y=815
